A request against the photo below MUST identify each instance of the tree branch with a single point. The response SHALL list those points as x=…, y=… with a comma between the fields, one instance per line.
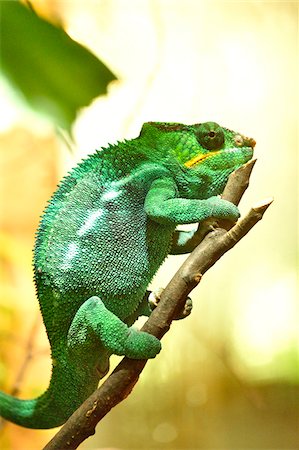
x=120, y=383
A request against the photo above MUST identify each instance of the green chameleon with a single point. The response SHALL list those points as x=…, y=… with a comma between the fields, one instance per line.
x=106, y=231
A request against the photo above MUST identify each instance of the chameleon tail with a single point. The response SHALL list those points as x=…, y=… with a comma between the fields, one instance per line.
x=23, y=412
x=53, y=407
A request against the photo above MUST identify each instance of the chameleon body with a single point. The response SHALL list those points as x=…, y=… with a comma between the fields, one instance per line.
x=107, y=229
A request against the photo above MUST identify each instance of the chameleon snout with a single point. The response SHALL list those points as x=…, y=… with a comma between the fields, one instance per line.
x=250, y=142
x=244, y=141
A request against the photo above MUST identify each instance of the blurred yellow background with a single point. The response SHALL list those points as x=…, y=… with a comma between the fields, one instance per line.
x=227, y=377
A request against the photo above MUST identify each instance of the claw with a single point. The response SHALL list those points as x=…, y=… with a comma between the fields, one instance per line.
x=186, y=311
x=154, y=299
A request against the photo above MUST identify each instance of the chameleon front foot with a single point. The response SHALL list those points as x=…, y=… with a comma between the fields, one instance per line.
x=154, y=299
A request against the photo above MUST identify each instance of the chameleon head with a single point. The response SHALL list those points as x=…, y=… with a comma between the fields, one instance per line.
x=200, y=145
x=219, y=148
x=206, y=151
x=215, y=153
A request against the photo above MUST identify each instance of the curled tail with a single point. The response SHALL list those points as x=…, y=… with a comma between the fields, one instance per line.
x=55, y=406
x=27, y=412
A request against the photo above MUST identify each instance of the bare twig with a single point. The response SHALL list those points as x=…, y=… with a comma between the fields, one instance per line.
x=238, y=183
x=120, y=383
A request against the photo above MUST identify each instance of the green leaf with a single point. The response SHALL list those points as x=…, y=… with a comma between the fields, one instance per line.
x=55, y=74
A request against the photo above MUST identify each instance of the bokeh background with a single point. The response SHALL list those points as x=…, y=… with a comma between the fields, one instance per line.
x=227, y=377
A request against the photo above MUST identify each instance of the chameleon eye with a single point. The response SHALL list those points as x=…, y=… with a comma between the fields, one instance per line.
x=210, y=135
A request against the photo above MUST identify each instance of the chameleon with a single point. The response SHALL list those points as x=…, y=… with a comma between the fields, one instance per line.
x=104, y=233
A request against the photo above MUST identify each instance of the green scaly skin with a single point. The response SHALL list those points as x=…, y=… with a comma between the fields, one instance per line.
x=106, y=231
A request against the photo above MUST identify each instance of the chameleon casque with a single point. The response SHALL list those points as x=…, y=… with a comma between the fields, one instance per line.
x=105, y=232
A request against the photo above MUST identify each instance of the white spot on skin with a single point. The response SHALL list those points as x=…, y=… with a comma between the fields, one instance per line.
x=72, y=251
x=111, y=195
x=90, y=222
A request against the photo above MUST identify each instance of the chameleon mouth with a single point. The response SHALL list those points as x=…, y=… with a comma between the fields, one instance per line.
x=198, y=159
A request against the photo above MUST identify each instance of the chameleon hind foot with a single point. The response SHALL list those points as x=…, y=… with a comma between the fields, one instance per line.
x=93, y=322
x=154, y=299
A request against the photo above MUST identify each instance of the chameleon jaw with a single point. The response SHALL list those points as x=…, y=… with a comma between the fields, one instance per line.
x=241, y=143
x=200, y=158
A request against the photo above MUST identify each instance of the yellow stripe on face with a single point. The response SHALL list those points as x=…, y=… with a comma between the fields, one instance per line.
x=199, y=158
